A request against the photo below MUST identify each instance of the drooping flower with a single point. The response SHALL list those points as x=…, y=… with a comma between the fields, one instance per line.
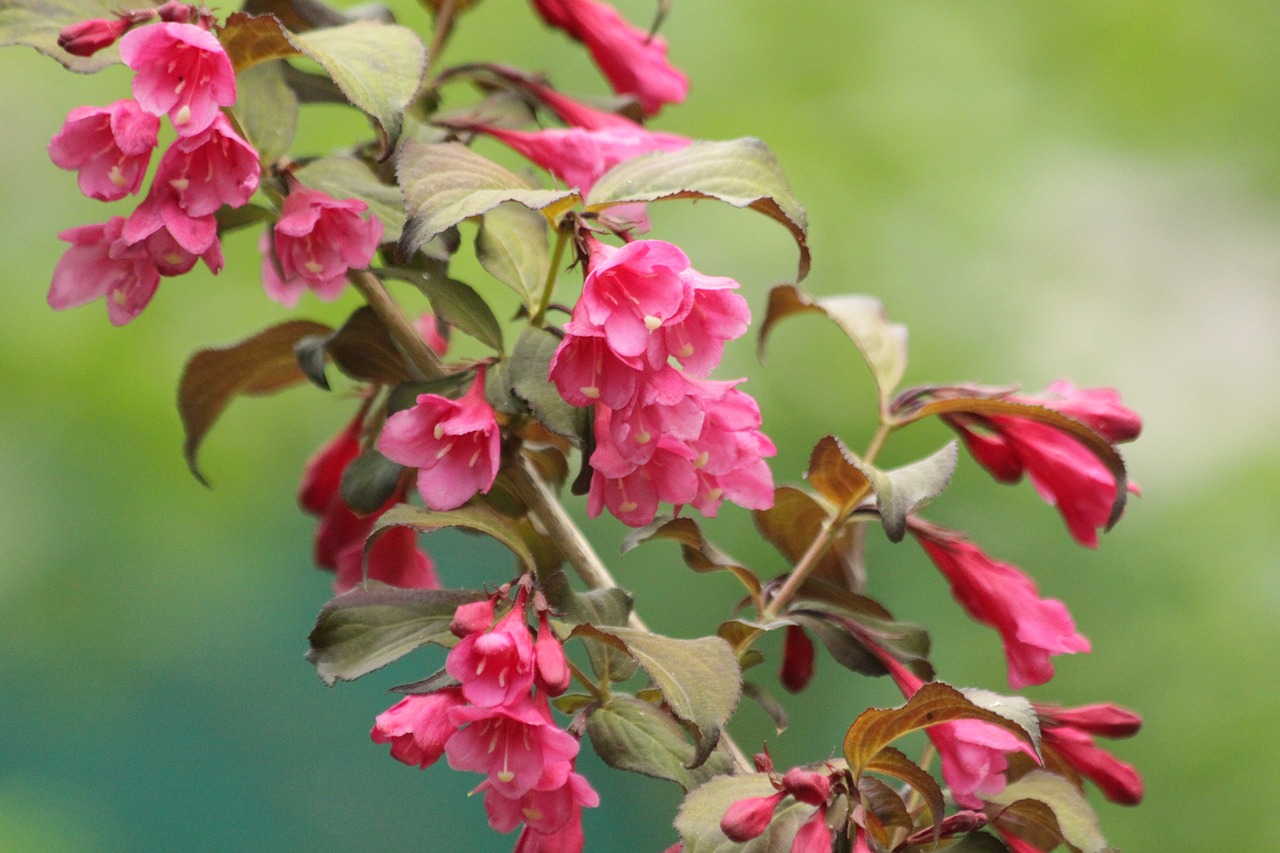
x=182, y=71
x=813, y=836
x=544, y=812
x=417, y=727
x=101, y=263
x=1068, y=737
x=1065, y=473
x=633, y=62
x=210, y=169
x=314, y=244
x=999, y=595
x=797, y=659
x=517, y=746
x=496, y=667
x=109, y=146
x=454, y=444
x=394, y=559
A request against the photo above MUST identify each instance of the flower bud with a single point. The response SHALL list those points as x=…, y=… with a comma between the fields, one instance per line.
x=807, y=786
x=749, y=817
x=472, y=618
x=549, y=662
x=85, y=38
x=814, y=836
x=1105, y=720
x=797, y=659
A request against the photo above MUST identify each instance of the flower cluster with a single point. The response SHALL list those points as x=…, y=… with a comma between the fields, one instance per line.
x=181, y=71
x=494, y=723
x=394, y=558
x=662, y=434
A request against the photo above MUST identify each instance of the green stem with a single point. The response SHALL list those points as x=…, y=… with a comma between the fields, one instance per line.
x=583, y=679
x=544, y=298
x=808, y=562
x=877, y=441
x=439, y=35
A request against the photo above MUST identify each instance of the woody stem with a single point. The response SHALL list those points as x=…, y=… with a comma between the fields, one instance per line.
x=411, y=345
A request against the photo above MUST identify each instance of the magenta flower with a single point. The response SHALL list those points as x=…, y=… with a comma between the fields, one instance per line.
x=110, y=147
x=182, y=71
x=495, y=667
x=550, y=665
x=394, y=559
x=578, y=157
x=632, y=291
x=417, y=727
x=586, y=370
x=1064, y=472
x=517, y=746
x=101, y=263
x=317, y=240
x=749, y=817
x=1068, y=736
x=210, y=169
x=999, y=595
x=161, y=214
x=632, y=62
x=813, y=836
x=545, y=812
x=454, y=444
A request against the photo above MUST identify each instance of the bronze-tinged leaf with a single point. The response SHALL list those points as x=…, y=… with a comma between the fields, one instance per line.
x=454, y=302
x=890, y=762
x=886, y=812
x=739, y=172
x=474, y=516
x=932, y=704
x=596, y=607
x=784, y=301
x=699, y=679
x=299, y=15
x=1076, y=819
x=370, y=626
x=212, y=378
x=883, y=345
x=791, y=525
x=698, y=821
x=776, y=711
x=446, y=183
x=1030, y=820
x=249, y=39
x=629, y=734
x=834, y=473
x=369, y=481
x=530, y=363
x=698, y=552
x=37, y=23
x=984, y=406
x=363, y=349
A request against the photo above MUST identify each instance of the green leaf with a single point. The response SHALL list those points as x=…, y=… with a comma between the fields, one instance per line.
x=370, y=626
x=932, y=704
x=698, y=821
x=891, y=762
x=699, y=679
x=36, y=23
x=530, y=363
x=739, y=172
x=266, y=110
x=1076, y=818
x=901, y=491
x=377, y=66
x=698, y=552
x=369, y=481
x=212, y=378
x=454, y=302
x=446, y=183
x=978, y=842
x=883, y=345
x=512, y=247
x=629, y=734
x=348, y=177
x=597, y=607
x=981, y=406
x=768, y=703
x=475, y=516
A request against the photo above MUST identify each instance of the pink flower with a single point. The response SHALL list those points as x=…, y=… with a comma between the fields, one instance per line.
x=550, y=665
x=578, y=114
x=749, y=817
x=586, y=370
x=1068, y=737
x=495, y=667
x=807, y=786
x=182, y=71
x=999, y=595
x=632, y=291
x=632, y=62
x=394, y=559
x=109, y=146
x=517, y=746
x=972, y=751
x=813, y=836
x=578, y=157
x=210, y=169
x=161, y=211
x=417, y=727
x=454, y=444
x=101, y=263
x=1064, y=472
x=545, y=812
x=317, y=240
x=434, y=331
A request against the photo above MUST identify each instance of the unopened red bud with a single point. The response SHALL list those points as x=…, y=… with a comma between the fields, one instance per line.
x=797, y=659
x=88, y=37
x=1110, y=721
x=763, y=762
x=748, y=818
x=807, y=786
x=472, y=618
x=550, y=665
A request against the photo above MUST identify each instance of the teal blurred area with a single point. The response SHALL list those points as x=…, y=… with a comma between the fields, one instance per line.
x=1087, y=190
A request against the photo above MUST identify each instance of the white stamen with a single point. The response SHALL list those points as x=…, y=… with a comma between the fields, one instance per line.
x=652, y=323
x=180, y=184
x=643, y=437
x=684, y=351
x=591, y=392
x=438, y=432
x=702, y=459
x=116, y=176
x=629, y=506
x=182, y=116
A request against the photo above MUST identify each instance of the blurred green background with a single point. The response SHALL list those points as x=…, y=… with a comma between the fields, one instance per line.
x=1088, y=190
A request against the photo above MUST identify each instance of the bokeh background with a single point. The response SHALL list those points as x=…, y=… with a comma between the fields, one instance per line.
x=1087, y=190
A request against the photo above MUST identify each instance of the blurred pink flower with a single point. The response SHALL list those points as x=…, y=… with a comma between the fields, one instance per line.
x=577, y=156
x=101, y=263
